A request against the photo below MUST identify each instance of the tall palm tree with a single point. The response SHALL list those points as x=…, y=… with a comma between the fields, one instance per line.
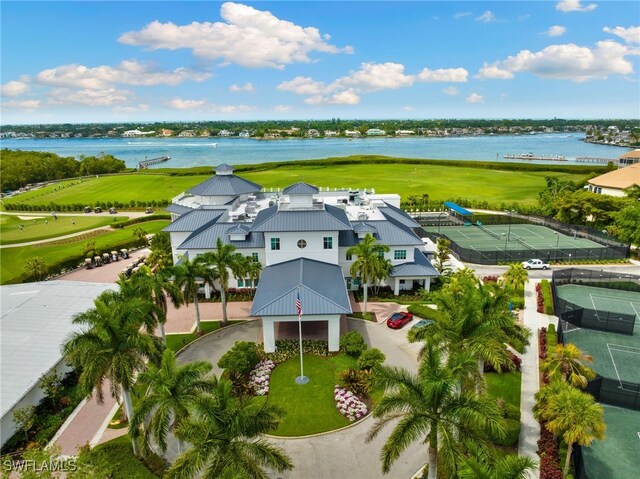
x=566, y=362
x=368, y=257
x=572, y=414
x=431, y=408
x=516, y=276
x=187, y=277
x=223, y=432
x=172, y=391
x=113, y=346
x=253, y=269
x=483, y=463
x=223, y=259
x=381, y=272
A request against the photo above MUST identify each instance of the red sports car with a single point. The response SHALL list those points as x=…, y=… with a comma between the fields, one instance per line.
x=397, y=320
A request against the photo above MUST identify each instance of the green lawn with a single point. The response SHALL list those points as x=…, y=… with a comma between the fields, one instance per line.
x=46, y=227
x=12, y=259
x=439, y=181
x=175, y=342
x=310, y=408
x=122, y=188
x=506, y=386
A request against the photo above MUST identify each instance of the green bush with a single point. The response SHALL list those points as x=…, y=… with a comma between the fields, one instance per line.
x=357, y=381
x=552, y=337
x=547, y=296
x=371, y=358
x=352, y=343
x=142, y=219
x=240, y=359
x=511, y=436
x=425, y=312
x=289, y=348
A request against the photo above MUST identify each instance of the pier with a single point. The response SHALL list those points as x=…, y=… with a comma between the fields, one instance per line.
x=591, y=159
x=533, y=156
x=143, y=165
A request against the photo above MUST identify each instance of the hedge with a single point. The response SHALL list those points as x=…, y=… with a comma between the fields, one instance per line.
x=425, y=312
x=547, y=297
x=142, y=219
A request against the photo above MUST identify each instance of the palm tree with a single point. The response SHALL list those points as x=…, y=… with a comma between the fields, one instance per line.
x=171, y=394
x=516, y=276
x=572, y=414
x=431, y=408
x=113, y=346
x=567, y=362
x=368, y=253
x=186, y=276
x=223, y=259
x=253, y=269
x=381, y=271
x=483, y=463
x=223, y=432
x=156, y=286
x=35, y=268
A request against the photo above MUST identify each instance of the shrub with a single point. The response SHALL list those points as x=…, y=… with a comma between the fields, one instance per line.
x=425, y=312
x=552, y=337
x=490, y=279
x=352, y=343
x=289, y=348
x=349, y=405
x=511, y=434
x=371, y=358
x=241, y=358
x=515, y=365
x=358, y=381
x=547, y=296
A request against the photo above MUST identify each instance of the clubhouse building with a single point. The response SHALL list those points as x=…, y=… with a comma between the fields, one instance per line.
x=300, y=235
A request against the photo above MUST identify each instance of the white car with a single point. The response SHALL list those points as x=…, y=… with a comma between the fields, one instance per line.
x=535, y=264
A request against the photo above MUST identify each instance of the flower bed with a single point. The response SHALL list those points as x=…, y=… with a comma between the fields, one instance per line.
x=289, y=348
x=349, y=405
x=259, y=377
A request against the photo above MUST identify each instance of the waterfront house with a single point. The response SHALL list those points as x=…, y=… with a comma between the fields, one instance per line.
x=375, y=132
x=629, y=158
x=616, y=182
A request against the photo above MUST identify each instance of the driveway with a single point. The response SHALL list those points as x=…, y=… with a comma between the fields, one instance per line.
x=337, y=454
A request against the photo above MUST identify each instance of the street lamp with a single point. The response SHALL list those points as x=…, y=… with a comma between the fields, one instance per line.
x=557, y=238
x=505, y=240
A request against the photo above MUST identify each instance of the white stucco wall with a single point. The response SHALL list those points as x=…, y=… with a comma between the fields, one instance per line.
x=289, y=249
x=268, y=329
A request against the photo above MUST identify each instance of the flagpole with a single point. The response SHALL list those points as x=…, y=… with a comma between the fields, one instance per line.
x=302, y=379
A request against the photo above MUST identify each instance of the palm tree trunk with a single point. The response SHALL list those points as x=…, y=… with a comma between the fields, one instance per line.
x=223, y=298
x=195, y=303
x=567, y=461
x=366, y=293
x=432, y=452
x=481, y=372
x=162, y=333
x=128, y=409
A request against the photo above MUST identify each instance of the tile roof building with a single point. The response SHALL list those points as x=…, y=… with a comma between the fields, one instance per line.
x=300, y=235
x=614, y=183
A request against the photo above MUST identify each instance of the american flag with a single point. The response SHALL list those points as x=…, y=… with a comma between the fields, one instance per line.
x=298, y=305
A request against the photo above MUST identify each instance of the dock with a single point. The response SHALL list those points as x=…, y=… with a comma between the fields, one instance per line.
x=533, y=156
x=590, y=159
x=143, y=165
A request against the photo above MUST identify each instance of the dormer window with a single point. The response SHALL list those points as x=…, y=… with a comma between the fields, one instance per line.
x=302, y=244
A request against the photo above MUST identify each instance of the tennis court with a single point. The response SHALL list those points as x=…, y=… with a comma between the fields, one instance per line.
x=617, y=456
x=601, y=299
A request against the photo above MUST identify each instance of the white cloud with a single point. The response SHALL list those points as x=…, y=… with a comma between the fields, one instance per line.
x=89, y=97
x=566, y=62
x=567, y=6
x=486, y=17
x=181, y=104
x=232, y=108
x=248, y=87
x=131, y=109
x=451, y=91
x=475, y=98
x=408, y=108
x=282, y=108
x=248, y=37
x=14, y=88
x=629, y=35
x=556, y=31
x=126, y=73
x=369, y=78
x=462, y=15
x=26, y=105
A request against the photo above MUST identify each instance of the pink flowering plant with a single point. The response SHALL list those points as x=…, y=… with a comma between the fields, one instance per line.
x=349, y=405
x=259, y=377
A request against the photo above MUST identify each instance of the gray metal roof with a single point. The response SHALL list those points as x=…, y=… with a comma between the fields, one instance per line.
x=300, y=188
x=328, y=218
x=225, y=185
x=321, y=286
x=390, y=211
x=389, y=232
x=364, y=228
x=421, y=266
x=193, y=221
x=239, y=229
x=178, y=209
x=207, y=238
x=224, y=169
x=35, y=322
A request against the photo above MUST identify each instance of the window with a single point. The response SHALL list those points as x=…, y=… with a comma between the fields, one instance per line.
x=254, y=256
x=328, y=242
x=349, y=257
x=302, y=244
x=380, y=254
x=400, y=254
x=240, y=283
x=247, y=282
x=275, y=244
x=255, y=282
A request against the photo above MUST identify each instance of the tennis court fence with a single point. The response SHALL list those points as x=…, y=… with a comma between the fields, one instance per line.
x=582, y=317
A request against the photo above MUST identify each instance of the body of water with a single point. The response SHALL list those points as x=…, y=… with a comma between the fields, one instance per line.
x=188, y=152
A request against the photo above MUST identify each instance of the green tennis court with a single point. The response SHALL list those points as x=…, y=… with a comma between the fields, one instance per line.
x=601, y=299
x=615, y=356
x=512, y=237
x=617, y=456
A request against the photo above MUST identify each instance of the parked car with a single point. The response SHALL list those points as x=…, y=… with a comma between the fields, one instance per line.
x=535, y=264
x=423, y=323
x=148, y=211
x=87, y=209
x=397, y=320
x=112, y=211
x=97, y=210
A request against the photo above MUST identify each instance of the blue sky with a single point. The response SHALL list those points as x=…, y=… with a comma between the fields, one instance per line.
x=139, y=61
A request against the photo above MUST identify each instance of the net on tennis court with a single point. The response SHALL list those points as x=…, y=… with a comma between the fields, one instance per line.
x=488, y=231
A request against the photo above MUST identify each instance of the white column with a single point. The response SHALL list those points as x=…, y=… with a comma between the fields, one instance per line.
x=396, y=286
x=334, y=333
x=207, y=291
x=268, y=335
x=427, y=284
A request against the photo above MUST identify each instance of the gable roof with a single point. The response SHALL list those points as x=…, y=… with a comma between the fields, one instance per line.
x=300, y=188
x=321, y=287
x=390, y=211
x=364, y=228
x=193, y=221
x=619, y=179
x=420, y=266
x=389, y=232
x=225, y=185
x=178, y=209
x=632, y=154
x=328, y=218
x=206, y=238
